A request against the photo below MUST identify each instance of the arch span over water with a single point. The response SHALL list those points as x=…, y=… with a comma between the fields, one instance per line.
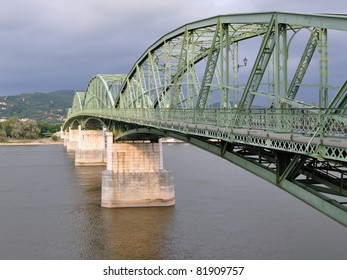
x=280, y=113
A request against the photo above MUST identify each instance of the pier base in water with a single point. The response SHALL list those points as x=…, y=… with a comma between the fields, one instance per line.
x=90, y=148
x=151, y=189
x=135, y=176
x=71, y=140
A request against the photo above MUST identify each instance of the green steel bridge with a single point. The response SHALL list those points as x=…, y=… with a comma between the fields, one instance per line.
x=250, y=88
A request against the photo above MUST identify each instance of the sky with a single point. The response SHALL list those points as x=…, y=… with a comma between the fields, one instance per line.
x=48, y=45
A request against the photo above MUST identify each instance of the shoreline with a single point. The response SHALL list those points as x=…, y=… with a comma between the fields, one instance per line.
x=23, y=142
x=48, y=141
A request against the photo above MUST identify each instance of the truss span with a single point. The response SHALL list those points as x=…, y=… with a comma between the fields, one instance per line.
x=100, y=93
x=255, y=89
x=197, y=65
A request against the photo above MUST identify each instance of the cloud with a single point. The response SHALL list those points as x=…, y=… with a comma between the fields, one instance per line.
x=49, y=45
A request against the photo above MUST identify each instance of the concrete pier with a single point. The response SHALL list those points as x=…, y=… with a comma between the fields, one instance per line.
x=135, y=176
x=71, y=140
x=90, y=147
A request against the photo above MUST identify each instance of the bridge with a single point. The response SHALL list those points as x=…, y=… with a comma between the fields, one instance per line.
x=250, y=88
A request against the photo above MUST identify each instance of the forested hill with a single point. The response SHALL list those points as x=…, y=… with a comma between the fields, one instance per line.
x=43, y=107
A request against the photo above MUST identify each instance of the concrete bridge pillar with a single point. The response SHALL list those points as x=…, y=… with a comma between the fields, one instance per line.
x=72, y=140
x=65, y=136
x=90, y=147
x=135, y=176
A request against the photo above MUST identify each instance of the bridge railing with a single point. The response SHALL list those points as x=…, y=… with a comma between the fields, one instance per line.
x=312, y=121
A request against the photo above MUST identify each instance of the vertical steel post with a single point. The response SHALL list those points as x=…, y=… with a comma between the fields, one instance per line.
x=221, y=66
x=227, y=64
x=281, y=57
x=323, y=68
x=271, y=80
x=235, y=77
x=224, y=44
x=190, y=52
x=323, y=78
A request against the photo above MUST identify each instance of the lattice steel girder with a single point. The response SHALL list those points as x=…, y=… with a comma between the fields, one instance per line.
x=327, y=177
x=334, y=22
x=327, y=21
x=281, y=58
x=98, y=91
x=141, y=88
x=131, y=96
x=77, y=103
x=224, y=68
x=291, y=168
x=303, y=65
x=210, y=67
x=154, y=77
x=193, y=47
x=257, y=127
x=260, y=64
x=181, y=66
x=340, y=99
x=323, y=63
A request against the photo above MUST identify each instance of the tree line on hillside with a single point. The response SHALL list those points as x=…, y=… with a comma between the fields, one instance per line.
x=28, y=129
x=42, y=107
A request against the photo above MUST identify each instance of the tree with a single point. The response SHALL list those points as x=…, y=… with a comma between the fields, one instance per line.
x=30, y=129
x=10, y=124
x=16, y=129
x=3, y=135
x=48, y=129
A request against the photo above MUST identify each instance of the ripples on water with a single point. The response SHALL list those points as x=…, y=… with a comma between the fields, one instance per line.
x=50, y=209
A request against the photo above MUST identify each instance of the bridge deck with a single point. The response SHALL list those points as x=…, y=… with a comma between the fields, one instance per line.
x=305, y=141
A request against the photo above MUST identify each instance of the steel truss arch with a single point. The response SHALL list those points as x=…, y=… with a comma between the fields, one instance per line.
x=101, y=91
x=166, y=69
x=183, y=84
x=178, y=54
x=88, y=120
x=75, y=123
x=77, y=102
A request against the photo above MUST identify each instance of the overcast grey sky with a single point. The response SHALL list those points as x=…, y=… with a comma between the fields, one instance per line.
x=48, y=45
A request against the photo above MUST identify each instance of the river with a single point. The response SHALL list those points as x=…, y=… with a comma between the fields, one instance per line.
x=50, y=209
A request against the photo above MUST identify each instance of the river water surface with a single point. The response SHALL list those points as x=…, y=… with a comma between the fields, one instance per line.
x=50, y=209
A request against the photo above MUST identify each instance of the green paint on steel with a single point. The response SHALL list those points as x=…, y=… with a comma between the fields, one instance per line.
x=181, y=87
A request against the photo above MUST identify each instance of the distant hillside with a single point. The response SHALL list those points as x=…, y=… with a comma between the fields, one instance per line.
x=44, y=107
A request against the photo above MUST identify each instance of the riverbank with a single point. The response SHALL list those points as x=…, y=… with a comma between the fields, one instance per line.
x=24, y=142
x=49, y=141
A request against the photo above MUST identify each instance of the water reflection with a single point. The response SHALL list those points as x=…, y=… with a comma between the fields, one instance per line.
x=138, y=233
x=128, y=233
